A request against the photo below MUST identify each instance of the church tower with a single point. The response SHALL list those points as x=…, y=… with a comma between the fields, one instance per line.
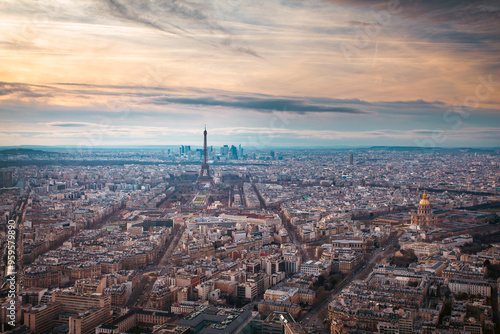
x=424, y=207
x=424, y=216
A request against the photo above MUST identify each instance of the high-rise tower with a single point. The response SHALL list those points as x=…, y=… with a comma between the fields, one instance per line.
x=205, y=169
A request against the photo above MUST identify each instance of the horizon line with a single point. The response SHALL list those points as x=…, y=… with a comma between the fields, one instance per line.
x=254, y=148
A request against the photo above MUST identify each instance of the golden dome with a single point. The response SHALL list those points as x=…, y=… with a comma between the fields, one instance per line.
x=424, y=200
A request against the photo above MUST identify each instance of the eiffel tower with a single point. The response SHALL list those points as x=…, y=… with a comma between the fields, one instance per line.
x=205, y=169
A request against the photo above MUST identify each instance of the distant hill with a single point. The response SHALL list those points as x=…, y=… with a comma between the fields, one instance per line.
x=406, y=148
x=417, y=148
x=27, y=151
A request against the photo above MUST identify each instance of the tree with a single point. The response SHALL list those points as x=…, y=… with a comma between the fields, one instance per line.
x=446, y=310
x=320, y=281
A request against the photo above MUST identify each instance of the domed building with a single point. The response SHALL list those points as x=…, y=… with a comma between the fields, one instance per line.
x=424, y=215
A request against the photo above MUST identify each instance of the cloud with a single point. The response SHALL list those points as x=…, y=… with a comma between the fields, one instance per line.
x=110, y=86
x=479, y=15
x=69, y=125
x=198, y=97
x=20, y=90
x=438, y=22
x=263, y=104
x=449, y=10
x=179, y=17
x=150, y=100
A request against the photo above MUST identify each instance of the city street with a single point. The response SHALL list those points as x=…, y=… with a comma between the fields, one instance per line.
x=315, y=319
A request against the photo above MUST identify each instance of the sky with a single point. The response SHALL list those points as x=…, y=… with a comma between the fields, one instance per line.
x=329, y=73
